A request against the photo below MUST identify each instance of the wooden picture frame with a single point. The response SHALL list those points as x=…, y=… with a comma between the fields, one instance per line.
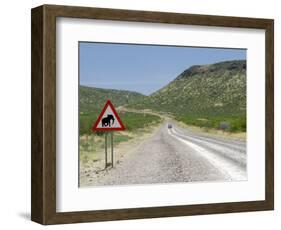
x=43, y=188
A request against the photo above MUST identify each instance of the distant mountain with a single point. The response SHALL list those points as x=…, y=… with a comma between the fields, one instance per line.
x=202, y=90
x=93, y=99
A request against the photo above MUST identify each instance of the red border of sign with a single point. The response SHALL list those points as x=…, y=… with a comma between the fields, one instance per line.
x=95, y=128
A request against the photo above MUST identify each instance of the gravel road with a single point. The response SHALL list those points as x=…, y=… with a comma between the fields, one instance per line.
x=179, y=155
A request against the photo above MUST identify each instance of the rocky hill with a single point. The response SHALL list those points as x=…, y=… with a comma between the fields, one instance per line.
x=202, y=90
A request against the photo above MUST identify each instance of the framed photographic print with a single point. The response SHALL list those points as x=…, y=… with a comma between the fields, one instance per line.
x=140, y=114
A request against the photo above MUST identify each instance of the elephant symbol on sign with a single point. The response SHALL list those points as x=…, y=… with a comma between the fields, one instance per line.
x=106, y=121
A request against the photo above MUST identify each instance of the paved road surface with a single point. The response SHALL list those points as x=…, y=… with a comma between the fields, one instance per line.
x=179, y=155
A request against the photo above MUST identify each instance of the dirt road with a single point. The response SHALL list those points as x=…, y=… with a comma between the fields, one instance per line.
x=178, y=155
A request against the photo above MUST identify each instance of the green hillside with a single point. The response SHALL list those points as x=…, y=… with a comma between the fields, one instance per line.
x=204, y=95
x=216, y=89
x=92, y=100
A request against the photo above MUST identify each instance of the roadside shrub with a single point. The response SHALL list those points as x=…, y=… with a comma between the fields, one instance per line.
x=224, y=126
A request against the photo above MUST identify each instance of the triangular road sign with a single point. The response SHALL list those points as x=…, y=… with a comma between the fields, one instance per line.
x=108, y=119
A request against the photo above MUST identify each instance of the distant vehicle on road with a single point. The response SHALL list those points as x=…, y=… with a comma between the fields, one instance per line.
x=170, y=126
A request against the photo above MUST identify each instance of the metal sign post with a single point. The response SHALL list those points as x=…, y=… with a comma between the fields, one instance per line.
x=105, y=149
x=105, y=146
x=111, y=149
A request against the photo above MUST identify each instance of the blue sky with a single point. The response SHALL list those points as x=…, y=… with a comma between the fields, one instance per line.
x=143, y=68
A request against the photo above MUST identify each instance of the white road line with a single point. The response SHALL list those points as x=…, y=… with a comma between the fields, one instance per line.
x=233, y=154
x=230, y=170
x=214, y=141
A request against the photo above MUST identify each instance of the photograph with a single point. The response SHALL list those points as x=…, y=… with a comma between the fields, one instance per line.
x=156, y=114
x=140, y=114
